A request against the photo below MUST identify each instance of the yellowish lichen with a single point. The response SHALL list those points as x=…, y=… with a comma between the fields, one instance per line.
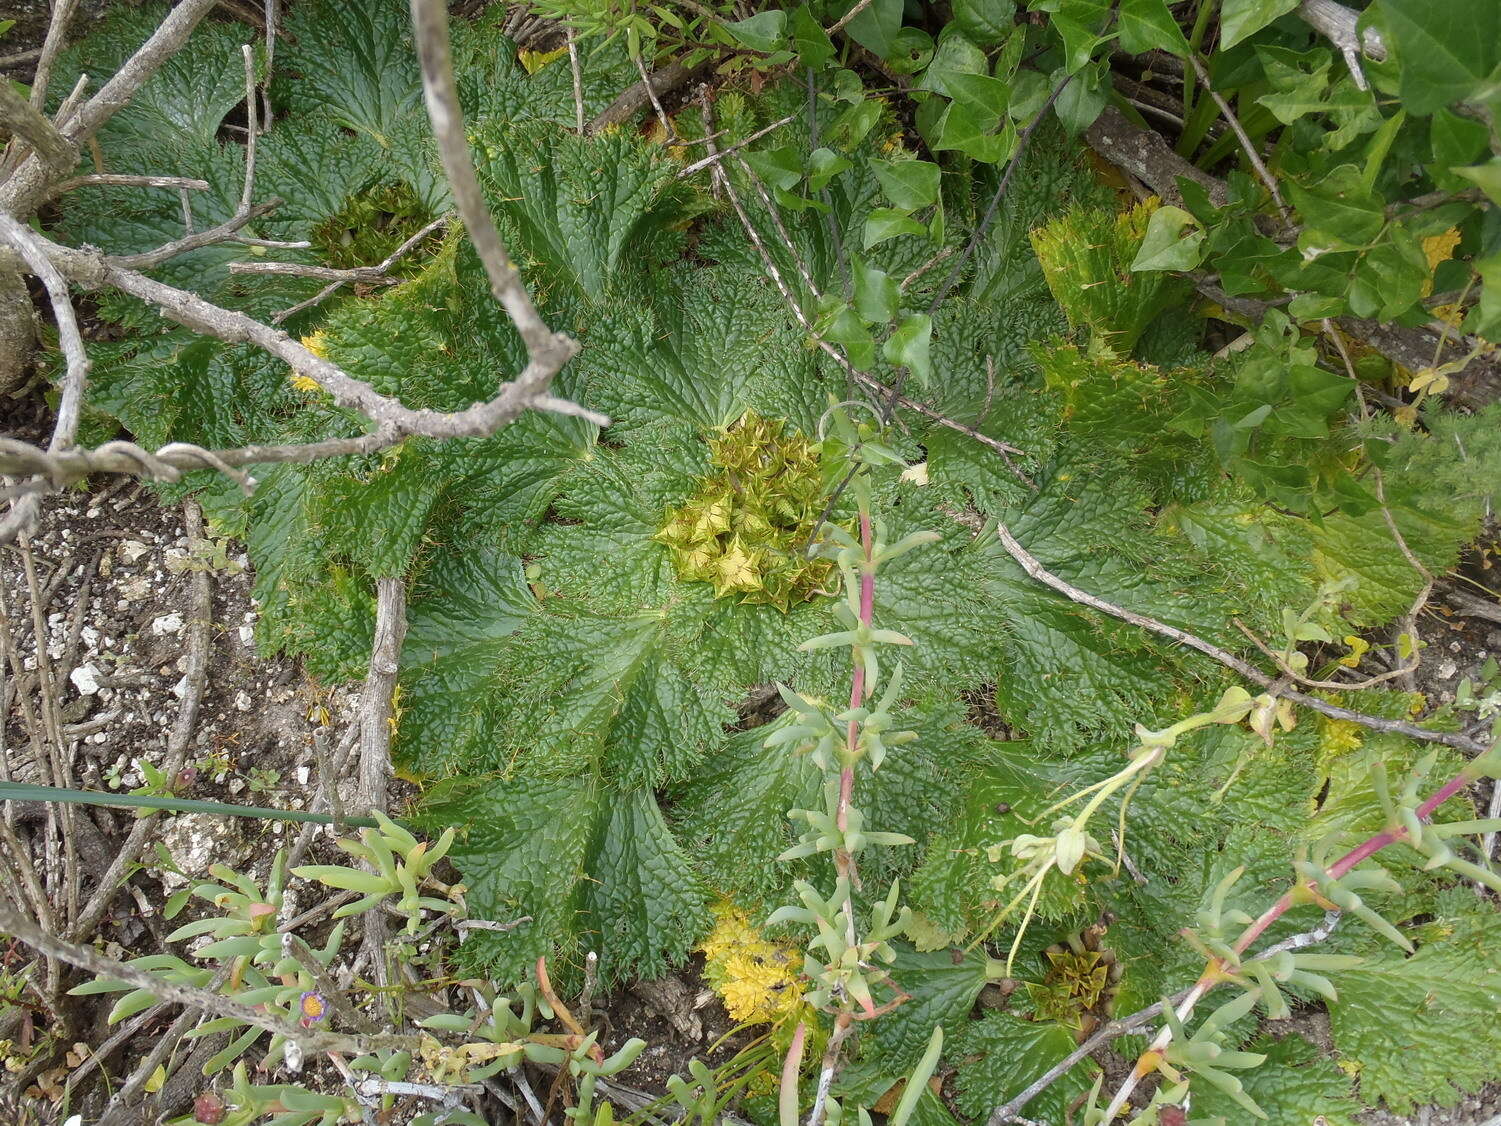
x=756, y=978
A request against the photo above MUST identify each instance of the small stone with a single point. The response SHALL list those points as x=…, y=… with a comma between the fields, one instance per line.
x=85, y=678
x=1446, y=670
x=134, y=590
x=180, y=689
x=242, y=701
x=131, y=550
x=167, y=623
x=247, y=636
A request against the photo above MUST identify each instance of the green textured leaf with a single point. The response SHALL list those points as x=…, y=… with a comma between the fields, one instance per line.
x=1000, y=1054
x=942, y=986
x=353, y=61
x=587, y=210
x=1423, y=1028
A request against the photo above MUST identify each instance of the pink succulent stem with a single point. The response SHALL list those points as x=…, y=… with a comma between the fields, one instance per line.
x=1346, y=863
x=857, y=682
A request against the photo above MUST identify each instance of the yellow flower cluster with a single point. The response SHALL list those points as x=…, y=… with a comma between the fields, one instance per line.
x=756, y=979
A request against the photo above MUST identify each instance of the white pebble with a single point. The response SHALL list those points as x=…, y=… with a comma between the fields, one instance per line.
x=85, y=678
x=167, y=623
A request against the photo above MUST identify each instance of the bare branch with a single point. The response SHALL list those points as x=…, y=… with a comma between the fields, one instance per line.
x=664, y=80
x=57, y=30
x=16, y=114
x=169, y=462
x=197, y=240
x=371, y=274
x=1337, y=23
x=87, y=958
x=715, y=157
x=578, y=78
x=376, y=272
x=125, y=180
x=28, y=185
x=1036, y=570
x=843, y=21
x=33, y=253
x=90, y=268
x=547, y=351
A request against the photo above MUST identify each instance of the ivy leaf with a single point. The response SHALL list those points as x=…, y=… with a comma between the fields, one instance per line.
x=987, y=22
x=1166, y=247
x=1487, y=177
x=814, y=47
x=1340, y=212
x=1147, y=24
x=908, y=346
x=887, y=223
x=909, y=184
x=876, y=26
x=1446, y=50
x=761, y=32
x=1240, y=19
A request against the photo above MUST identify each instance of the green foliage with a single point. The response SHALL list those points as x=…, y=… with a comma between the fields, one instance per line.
x=593, y=722
x=1436, y=1007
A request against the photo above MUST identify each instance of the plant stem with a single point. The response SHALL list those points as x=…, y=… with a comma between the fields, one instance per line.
x=1214, y=970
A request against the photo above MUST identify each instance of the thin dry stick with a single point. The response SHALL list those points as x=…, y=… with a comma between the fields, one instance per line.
x=126, y=180
x=29, y=246
x=1036, y=570
x=843, y=21
x=527, y=391
x=578, y=78
x=376, y=272
x=1246, y=145
x=89, y=959
x=252, y=129
x=58, y=821
x=199, y=631
x=57, y=30
x=375, y=735
x=715, y=157
x=547, y=351
x=1010, y=1111
x=669, y=133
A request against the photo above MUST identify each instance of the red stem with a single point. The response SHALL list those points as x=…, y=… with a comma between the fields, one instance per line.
x=857, y=687
x=1344, y=864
